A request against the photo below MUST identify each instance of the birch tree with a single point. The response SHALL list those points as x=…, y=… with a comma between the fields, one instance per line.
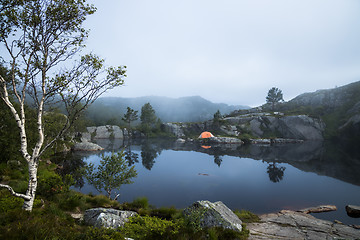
x=39, y=40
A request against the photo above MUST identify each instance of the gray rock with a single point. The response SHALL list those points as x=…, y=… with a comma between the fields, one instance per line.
x=107, y=217
x=213, y=215
x=106, y=132
x=117, y=132
x=175, y=128
x=180, y=140
x=319, y=209
x=85, y=137
x=86, y=146
x=230, y=130
x=103, y=132
x=261, y=141
x=295, y=225
x=225, y=140
x=301, y=127
x=353, y=211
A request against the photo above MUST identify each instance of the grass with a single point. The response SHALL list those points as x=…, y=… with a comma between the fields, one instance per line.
x=51, y=219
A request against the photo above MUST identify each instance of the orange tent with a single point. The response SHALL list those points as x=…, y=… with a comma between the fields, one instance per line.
x=206, y=135
x=206, y=147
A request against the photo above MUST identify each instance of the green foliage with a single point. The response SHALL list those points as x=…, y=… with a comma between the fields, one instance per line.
x=145, y=227
x=93, y=233
x=9, y=202
x=50, y=185
x=247, y=216
x=130, y=116
x=112, y=172
x=166, y=213
x=140, y=202
x=274, y=96
x=150, y=123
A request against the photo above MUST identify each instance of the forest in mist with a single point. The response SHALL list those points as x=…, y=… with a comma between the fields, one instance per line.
x=110, y=110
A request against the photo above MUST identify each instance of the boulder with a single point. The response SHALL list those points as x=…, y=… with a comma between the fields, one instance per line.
x=180, y=140
x=207, y=214
x=353, y=211
x=86, y=146
x=107, y=217
x=319, y=209
x=85, y=137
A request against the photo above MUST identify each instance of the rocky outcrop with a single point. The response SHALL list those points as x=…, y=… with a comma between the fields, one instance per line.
x=100, y=133
x=266, y=141
x=258, y=124
x=329, y=98
x=107, y=217
x=174, y=128
x=300, y=127
x=181, y=130
x=225, y=140
x=296, y=225
x=106, y=132
x=353, y=211
x=208, y=214
x=319, y=209
x=86, y=146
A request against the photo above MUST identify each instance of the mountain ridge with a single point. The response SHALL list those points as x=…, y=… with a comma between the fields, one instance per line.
x=183, y=109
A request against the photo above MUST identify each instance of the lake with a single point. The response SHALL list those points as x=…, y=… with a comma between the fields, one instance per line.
x=261, y=179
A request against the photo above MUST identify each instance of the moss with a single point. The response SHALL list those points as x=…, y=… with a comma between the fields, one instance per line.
x=247, y=216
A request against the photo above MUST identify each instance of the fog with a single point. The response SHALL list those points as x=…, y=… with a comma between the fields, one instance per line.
x=228, y=51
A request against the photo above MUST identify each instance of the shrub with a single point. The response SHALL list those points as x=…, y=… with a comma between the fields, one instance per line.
x=165, y=213
x=9, y=202
x=149, y=228
x=247, y=216
x=92, y=233
x=100, y=201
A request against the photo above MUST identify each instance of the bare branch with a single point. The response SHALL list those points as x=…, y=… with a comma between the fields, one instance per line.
x=14, y=193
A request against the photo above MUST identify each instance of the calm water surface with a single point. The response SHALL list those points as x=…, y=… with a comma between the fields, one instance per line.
x=261, y=179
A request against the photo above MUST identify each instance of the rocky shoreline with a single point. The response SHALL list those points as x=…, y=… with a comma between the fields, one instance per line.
x=288, y=224
x=285, y=224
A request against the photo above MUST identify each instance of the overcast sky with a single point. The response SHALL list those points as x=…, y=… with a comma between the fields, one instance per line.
x=230, y=51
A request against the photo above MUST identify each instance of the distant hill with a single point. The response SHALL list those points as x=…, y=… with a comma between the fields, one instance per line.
x=338, y=108
x=184, y=109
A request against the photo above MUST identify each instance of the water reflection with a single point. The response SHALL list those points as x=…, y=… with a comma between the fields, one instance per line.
x=321, y=158
x=275, y=172
x=240, y=176
x=131, y=156
x=149, y=152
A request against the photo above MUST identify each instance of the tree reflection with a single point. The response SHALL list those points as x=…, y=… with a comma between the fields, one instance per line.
x=217, y=156
x=130, y=156
x=148, y=155
x=217, y=159
x=72, y=164
x=276, y=173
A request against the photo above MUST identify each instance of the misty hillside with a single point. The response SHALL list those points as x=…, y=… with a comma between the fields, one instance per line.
x=338, y=108
x=185, y=109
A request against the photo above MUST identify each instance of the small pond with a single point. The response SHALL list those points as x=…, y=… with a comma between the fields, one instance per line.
x=261, y=179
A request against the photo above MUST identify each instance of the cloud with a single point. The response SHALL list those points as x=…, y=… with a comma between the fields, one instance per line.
x=230, y=51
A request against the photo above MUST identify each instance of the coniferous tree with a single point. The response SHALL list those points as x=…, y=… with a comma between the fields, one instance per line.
x=130, y=116
x=274, y=96
x=148, y=118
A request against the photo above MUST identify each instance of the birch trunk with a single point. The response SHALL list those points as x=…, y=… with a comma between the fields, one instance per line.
x=32, y=185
